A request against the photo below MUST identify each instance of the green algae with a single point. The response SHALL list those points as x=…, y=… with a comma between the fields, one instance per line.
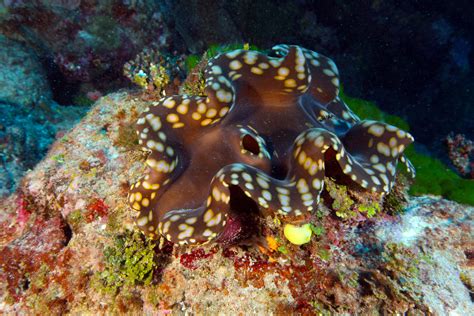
x=283, y=250
x=320, y=309
x=394, y=204
x=402, y=265
x=342, y=202
x=75, y=218
x=47, y=302
x=191, y=62
x=317, y=230
x=129, y=262
x=344, y=205
x=369, y=110
x=432, y=175
x=370, y=209
x=324, y=254
x=216, y=49
x=39, y=281
x=348, y=278
x=213, y=50
x=401, y=260
x=59, y=158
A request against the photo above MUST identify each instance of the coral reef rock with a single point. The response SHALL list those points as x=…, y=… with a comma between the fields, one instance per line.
x=69, y=245
x=26, y=134
x=22, y=79
x=86, y=40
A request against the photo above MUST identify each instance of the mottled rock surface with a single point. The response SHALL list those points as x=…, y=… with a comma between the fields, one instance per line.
x=26, y=133
x=443, y=230
x=86, y=41
x=63, y=232
x=22, y=79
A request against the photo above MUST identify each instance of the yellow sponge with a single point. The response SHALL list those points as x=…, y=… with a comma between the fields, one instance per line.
x=298, y=235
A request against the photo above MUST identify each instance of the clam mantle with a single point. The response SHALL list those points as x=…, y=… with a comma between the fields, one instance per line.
x=268, y=126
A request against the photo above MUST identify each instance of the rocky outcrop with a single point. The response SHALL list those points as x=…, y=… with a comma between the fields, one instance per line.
x=68, y=245
x=23, y=81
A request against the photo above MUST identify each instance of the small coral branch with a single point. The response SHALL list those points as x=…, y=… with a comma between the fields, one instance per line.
x=461, y=153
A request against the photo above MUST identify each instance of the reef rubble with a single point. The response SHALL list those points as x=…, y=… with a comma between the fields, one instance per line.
x=68, y=244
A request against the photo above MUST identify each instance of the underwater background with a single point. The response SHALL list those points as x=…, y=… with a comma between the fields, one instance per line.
x=75, y=76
